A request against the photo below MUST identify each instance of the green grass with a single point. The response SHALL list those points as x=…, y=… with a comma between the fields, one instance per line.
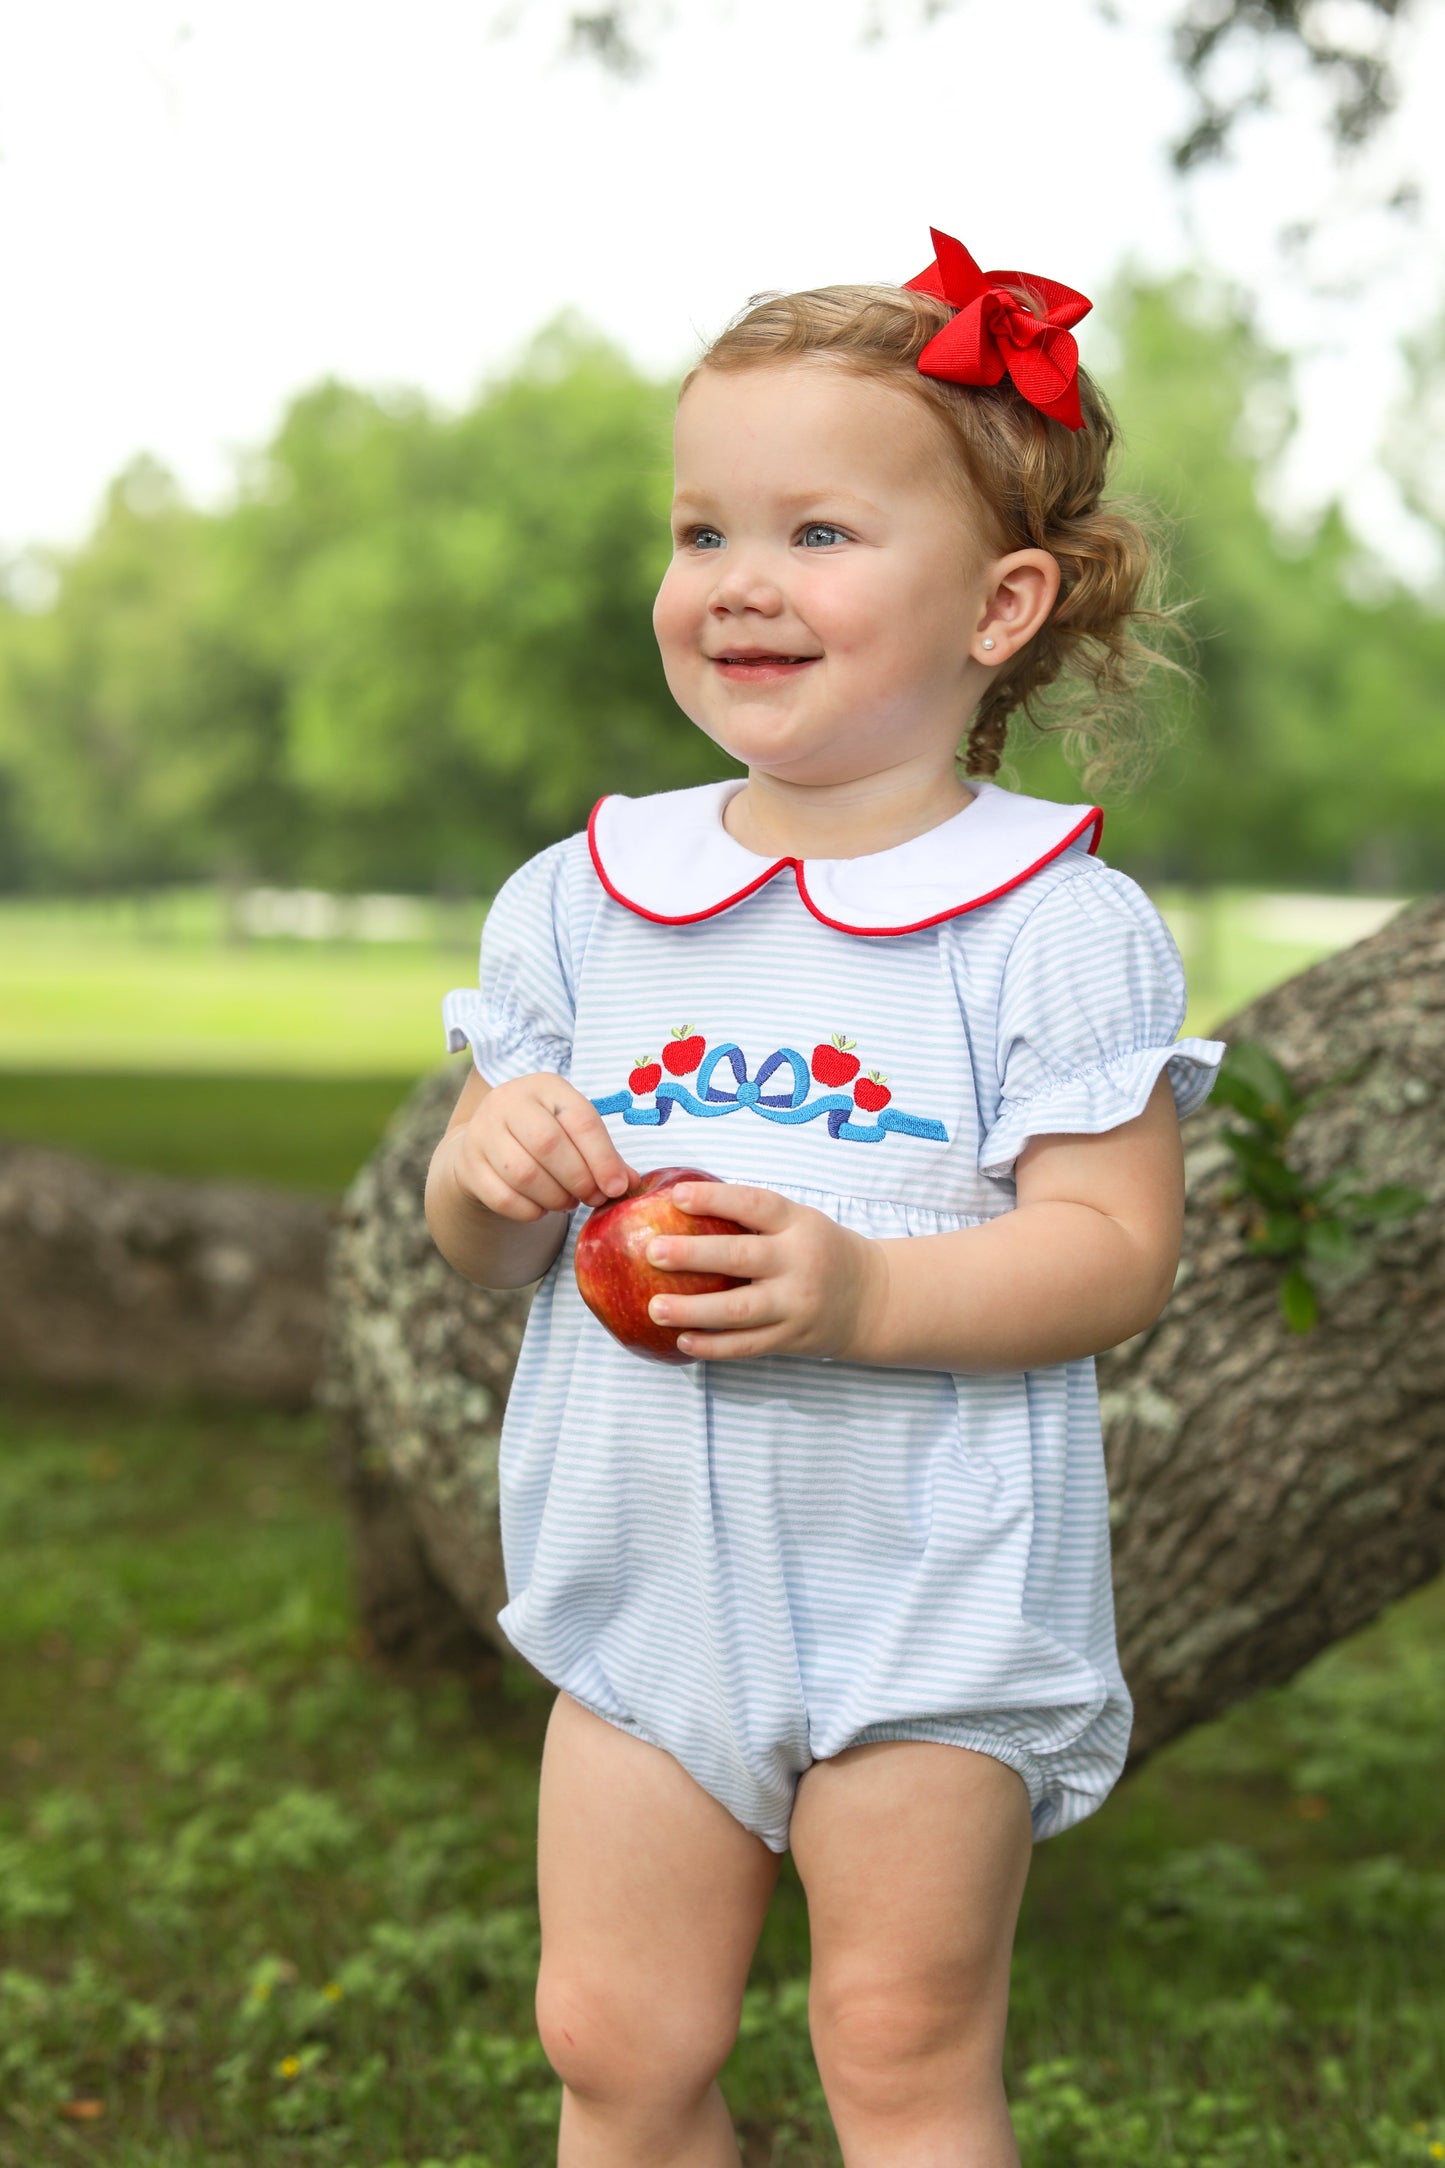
x=149, y=984
x=311, y=1133
x=270, y=1905
x=267, y=1904
x=132, y=1031
x=312, y=1011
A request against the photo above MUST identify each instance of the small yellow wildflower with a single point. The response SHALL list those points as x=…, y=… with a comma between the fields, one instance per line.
x=288, y=2067
x=332, y=1991
x=1419, y=2129
x=1437, y=2151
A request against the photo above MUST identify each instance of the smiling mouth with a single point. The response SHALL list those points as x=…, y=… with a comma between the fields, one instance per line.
x=748, y=662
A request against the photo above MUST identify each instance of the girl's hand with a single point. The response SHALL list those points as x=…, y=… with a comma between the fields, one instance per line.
x=535, y=1146
x=813, y=1283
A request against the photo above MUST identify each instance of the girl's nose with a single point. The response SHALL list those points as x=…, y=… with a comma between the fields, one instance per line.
x=745, y=584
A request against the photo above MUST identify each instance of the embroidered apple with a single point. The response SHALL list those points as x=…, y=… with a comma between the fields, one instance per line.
x=684, y=1050
x=616, y=1281
x=646, y=1076
x=871, y=1092
x=834, y=1065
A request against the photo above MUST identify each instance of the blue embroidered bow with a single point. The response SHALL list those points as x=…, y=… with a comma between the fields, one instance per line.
x=792, y=1105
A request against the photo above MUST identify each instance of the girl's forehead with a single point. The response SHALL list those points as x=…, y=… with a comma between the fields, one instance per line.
x=795, y=414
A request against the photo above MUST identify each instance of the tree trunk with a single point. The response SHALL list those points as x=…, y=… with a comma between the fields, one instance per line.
x=1271, y=1490
x=154, y=1286
x=416, y=1371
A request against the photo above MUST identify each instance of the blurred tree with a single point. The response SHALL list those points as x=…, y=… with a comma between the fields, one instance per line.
x=132, y=733
x=460, y=610
x=1226, y=51
x=419, y=644
x=1348, y=49
x=1311, y=753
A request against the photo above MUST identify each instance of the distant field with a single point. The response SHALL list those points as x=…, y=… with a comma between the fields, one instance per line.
x=150, y=984
x=137, y=1033
x=115, y=987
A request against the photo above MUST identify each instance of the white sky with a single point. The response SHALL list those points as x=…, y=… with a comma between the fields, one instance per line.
x=206, y=206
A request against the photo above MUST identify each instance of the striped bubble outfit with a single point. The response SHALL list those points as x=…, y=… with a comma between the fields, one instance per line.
x=755, y=1564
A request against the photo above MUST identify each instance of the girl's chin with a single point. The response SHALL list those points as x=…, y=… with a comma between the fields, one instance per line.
x=818, y=767
x=764, y=737
x=775, y=754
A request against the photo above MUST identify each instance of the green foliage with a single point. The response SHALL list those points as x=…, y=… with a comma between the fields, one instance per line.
x=418, y=644
x=1320, y=1228
x=460, y=611
x=269, y=1906
x=1309, y=756
x=415, y=649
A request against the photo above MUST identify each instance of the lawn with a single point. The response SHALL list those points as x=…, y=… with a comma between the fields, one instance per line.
x=264, y=1903
x=309, y=1132
x=150, y=983
x=267, y=1903
x=134, y=1031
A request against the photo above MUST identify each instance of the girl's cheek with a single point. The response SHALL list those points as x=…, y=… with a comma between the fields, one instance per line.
x=675, y=612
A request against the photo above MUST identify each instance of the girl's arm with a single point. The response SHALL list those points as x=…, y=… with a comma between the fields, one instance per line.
x=1086, y=1259
x=513, y=1162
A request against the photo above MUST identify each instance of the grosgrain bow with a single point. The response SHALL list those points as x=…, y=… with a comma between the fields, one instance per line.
x=995, y=331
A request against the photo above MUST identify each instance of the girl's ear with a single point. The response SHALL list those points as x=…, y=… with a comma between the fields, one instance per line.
x=1024, y=588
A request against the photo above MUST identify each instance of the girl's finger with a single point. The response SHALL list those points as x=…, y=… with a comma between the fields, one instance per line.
x=520, y=1171
x=721, y=1347
x=498, y=1196
x=732, y=1308
x=761, y=1209
x=542, y=1135
x=585, y=1126
x=746, y=1257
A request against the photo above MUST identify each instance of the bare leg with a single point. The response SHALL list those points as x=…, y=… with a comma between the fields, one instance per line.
x=914, y=1857
x=652, y=1898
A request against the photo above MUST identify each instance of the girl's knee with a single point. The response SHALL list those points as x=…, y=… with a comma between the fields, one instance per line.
x=606, y=2041
x=873, y=2040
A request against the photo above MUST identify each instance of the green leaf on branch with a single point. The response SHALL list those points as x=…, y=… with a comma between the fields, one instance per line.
x=1266, y=1175
x=1329, y=1242
x=1396, y=1200
x=1323, y=1223
x=1253, y=1081
x=1278, y=1234
x=1298, y=1301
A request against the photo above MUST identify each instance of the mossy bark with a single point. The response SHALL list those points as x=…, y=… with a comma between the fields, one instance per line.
x=158, y=1288
x=1273, y=1491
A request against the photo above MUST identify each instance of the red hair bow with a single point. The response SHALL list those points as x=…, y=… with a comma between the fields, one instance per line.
x=994, y=331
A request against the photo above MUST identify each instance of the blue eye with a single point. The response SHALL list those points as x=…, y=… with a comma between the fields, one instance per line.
x=695, y=535
x=819, y=526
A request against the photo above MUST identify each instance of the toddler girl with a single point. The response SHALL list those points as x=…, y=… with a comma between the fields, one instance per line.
x=842, y=1583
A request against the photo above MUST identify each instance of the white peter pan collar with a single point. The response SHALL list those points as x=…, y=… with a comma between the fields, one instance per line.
x=668, y=857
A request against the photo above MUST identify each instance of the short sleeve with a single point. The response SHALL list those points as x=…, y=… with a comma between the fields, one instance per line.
x=1091, y=1002
x=518, y=1019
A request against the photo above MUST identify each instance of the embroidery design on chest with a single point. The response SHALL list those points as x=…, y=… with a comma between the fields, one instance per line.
x=722, y=1085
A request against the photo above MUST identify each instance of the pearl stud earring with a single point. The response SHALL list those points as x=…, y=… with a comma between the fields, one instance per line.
x=988, y=643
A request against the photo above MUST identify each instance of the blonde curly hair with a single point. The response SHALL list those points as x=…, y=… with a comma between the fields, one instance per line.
x=1036, y=484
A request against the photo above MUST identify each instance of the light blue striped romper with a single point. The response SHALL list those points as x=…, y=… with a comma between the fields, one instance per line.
x=756, y=1564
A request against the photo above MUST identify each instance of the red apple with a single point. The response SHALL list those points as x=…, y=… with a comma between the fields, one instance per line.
x=615, y=1279
x=834, y=1065
x=684, y=1050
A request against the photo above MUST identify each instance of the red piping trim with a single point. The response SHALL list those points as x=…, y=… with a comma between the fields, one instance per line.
x=688, y=918
x=1093, y=819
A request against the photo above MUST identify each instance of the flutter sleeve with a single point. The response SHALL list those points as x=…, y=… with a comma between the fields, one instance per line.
x=518, y=1019
x=1090, y=1005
